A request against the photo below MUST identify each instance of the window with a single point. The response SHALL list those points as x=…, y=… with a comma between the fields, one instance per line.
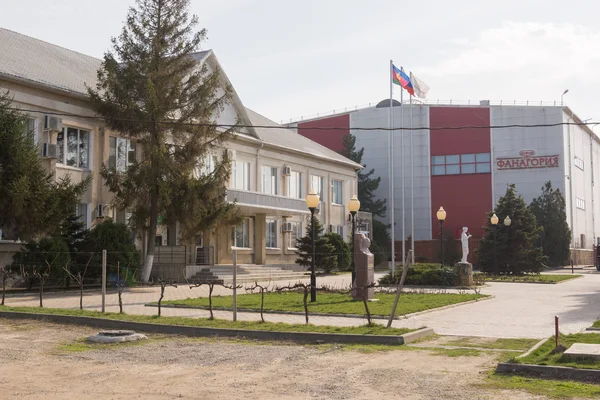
x=271, y=234
x=295, y=185
x=461, y=164
x=295, y=234
x=339, y=229
x=579, y=163
x=241, y=235
x=121, y=153
x=73, y=147
x=240, y=174
x=31, y=128
x=269, y=180
x=209, y=163
x=82, y=212
x=580, y=203
x=336, y=192
x=317, y=185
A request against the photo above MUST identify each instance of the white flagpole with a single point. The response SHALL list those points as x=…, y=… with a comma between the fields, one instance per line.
x=391, y=168
x=412, y=186
x=403, y=174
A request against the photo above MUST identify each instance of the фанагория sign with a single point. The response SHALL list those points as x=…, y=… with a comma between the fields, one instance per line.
x=528, y=159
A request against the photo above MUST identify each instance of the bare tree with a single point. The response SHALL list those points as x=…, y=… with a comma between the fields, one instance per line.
x=43, y=276
x=211, y=286
x=121, y=285
x=5, y=273
x=163, y=285
x=262, y=296
x=79, y=278
x=300, y=285
x=399, y=289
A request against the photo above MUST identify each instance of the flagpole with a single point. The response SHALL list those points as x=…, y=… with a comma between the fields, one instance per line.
x=412, y=186
x=403, y=174
x=391, y=169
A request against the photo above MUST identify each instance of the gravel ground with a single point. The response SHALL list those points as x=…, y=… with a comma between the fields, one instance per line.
x=36, y=365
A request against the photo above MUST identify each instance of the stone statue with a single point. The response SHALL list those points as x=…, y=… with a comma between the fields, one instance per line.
x=365, y=243
x=464, y=238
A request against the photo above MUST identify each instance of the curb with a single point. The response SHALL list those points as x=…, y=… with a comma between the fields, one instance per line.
x=378, y=317
x=534, y=348
x=592, y=329
x=545, y=371
x=195, y=331
x=541, y=283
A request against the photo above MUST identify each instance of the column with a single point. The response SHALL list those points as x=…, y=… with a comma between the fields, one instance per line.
x=260, y=239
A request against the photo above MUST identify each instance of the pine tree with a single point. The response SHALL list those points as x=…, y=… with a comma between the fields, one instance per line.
x=325, y=257
x=515, y=250
x=151, y=89
x=550, y=212
x=366, y=183
x=32, y=203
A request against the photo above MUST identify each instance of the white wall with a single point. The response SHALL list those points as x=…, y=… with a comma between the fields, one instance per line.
x=376, y=156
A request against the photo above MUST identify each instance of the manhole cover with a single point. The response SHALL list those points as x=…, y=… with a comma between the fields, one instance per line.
x=116, y=337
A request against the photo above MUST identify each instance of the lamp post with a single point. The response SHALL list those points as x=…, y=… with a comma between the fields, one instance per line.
x=494, y=221
x=312, y=201
x=441, y=216
x=353, y=206
x=561, y=98
x=507, y=222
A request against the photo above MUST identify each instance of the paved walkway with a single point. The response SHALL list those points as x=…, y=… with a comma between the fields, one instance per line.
x=517, y=309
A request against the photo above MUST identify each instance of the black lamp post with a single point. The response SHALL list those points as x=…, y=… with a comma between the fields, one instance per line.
x=494, y=220
x=507, y=222
x=312, y=201
x=441, y=216
x=353, y=206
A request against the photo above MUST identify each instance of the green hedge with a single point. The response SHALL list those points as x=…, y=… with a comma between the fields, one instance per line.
x=423, y=275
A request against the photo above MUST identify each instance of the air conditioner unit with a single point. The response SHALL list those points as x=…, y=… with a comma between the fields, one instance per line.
x=100, y=211
x=52, y=123
x=49, y=150
x=287, y=227
x=231, y=154
x=287, y=171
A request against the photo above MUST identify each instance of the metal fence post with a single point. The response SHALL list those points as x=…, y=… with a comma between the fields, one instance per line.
x=234, y=285
x=103, y=280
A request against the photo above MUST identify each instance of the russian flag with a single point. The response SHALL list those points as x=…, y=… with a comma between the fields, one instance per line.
x=400, y=77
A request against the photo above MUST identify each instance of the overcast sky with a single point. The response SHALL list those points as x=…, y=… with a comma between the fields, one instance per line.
x=288, y=59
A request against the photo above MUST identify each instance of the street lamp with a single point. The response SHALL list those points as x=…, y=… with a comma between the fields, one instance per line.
x=441, y=216
x=507, y=221
x=312, y=201
x=353, y=206
x=563, y=95
x=494, y=220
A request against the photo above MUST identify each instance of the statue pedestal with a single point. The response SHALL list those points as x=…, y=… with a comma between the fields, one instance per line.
x=464, y=273
x=365, y=270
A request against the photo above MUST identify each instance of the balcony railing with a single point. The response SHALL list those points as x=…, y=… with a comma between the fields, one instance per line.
x=267, y=201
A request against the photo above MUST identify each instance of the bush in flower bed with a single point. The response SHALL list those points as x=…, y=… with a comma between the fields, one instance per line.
x=423, y=275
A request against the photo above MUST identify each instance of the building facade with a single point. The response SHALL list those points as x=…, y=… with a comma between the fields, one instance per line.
x=467, y=170
x=272, y=172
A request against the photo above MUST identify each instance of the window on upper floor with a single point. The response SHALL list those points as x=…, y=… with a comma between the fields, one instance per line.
x=455, y=164
x=32, y=128
x=317, y=185
x=240, y=174
x=73, y=148
x=580, y=203
x=208, y=165
x=579, y=163
x=295, y=185
x=121, y=153
x=269, y=180
x=241, y=235
x=337, y=192
x=271, y=241
x=81, y=210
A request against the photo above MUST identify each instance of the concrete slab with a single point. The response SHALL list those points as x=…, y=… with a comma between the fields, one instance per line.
x=584, y=350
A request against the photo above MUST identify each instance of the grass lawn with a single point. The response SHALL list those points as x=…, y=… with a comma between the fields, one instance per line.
x=528, y=278
x=543, y=356
x=375, y=329
x=596, y=324
x=497, y=344
x=543, y=387
x=335, y=303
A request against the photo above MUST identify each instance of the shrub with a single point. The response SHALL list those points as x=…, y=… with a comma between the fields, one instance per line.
x=423, y=275
x=38, y=254
x=342, y=251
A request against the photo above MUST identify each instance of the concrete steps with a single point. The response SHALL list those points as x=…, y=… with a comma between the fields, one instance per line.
x=250, y=273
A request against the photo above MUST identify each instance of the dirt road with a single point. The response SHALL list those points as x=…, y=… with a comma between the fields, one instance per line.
x=46, y=361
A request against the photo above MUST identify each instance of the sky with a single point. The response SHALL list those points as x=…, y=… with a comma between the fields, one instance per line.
x=292, y=59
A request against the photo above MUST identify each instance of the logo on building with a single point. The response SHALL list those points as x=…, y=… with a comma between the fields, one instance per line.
x=528, y=159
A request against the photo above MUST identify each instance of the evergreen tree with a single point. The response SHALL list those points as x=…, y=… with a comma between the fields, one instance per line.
x=341, y=250
x=515, y=250
x=152, y=90
x=325, y=257
x=366, y=183
x=32, y=203
x=550, y=212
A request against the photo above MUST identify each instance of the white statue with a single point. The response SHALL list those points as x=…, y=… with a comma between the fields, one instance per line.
x=464, y=238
